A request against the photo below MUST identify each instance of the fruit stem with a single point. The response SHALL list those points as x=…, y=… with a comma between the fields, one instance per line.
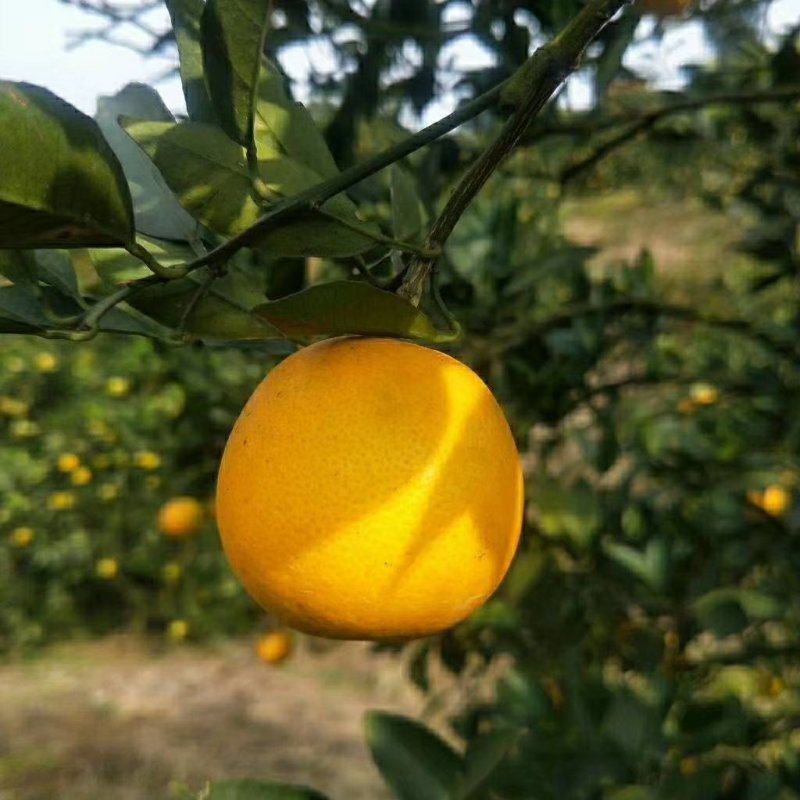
x=529, y=89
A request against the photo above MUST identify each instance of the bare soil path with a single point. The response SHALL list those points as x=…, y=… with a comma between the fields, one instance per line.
x=118, y=720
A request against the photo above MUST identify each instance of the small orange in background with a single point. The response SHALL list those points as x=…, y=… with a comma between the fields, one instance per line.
x=275, y=647
x=776, y=500
x=664, y=8
x=181, y=517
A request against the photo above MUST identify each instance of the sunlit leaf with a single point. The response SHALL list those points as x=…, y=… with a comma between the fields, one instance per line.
x=284, y=125
x=232, y=40
x=341, y=307
x=156, y=210
x=60, y=183
x=209, y=174
x=185, y=16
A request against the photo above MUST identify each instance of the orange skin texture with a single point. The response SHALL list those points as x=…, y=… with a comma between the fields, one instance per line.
x=181, y=517
x=370, y=489
x=275, y=647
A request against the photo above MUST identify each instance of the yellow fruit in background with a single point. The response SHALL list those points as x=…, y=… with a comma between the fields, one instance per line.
x=181, y=517
x=22, y=536
x=117, y=387
x=81, y=476
x=704, y=394
x=775, y=500
x=147, y=460
x=664, y=8
x=178, y=630
x=107, y=568
x=370, y=489
x=108, y=492
x=61, y=501
x=46, y=362
x=689, y=765
x=275, y=647
x=11, y=407
x=68, y=462
x=686, y=406
x=171, y=572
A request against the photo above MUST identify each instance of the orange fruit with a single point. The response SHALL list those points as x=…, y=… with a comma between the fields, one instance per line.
x=776, y=500
x=664, y=8
x=181, y=517
x=275, y=647
x=370, y=489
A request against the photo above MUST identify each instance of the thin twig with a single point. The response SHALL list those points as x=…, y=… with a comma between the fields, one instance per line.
x=541, y=75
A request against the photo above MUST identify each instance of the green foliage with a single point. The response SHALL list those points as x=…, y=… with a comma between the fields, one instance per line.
x=257, y=790
x=645, y=643
x=146, y=425
x=63, y=187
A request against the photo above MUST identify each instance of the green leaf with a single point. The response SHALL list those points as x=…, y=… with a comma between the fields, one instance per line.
x=484, y=755
x=221, y=313
x=416, y=763
x=19, y=267
x=232, y=34
x=649, y=565
x=54, y=267
x=342, y=307
x=258, y=790
x=406, y=216
x=156, y=210
x=115, y=265
x=285, y=126
x=729, y=610
x=208, y=172
x=19, y=305
x=615, y=45
x=60, y=183
x=185, y=16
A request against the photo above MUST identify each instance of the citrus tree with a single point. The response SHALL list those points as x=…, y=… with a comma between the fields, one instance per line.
x=645, y=636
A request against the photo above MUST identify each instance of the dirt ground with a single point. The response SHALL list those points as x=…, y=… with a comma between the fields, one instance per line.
x=118, y=720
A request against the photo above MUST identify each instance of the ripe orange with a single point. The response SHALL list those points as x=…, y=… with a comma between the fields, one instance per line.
x=664, y=8
x=275, y=647
x=370, y=489
x=181, y=517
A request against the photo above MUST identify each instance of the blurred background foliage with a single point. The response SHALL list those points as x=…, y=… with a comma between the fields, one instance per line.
x=645, y=644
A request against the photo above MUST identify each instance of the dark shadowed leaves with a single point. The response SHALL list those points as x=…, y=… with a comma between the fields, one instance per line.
x=406, y=216
x=416, y=763
x=258, y=790
x=60, y=183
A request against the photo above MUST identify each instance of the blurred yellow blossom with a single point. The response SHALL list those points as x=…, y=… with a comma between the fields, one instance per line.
x=117, y=387
x=22, y=536
x=108, y=491
x=46, y=362
x=146, y=459
x=60, y=501
x=107, y=568
x=171, y=572
x=178, y=630
x=81, y=476
x=12, y=407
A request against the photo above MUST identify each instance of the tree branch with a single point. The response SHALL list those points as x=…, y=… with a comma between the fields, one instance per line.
x=535, y=82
